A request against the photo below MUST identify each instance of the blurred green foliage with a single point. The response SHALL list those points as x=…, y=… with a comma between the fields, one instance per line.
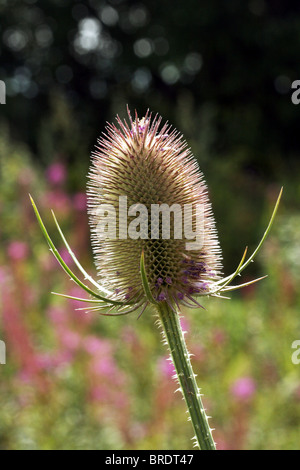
x=78, y=381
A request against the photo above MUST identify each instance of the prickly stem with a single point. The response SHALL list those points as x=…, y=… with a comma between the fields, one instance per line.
x=170, y=322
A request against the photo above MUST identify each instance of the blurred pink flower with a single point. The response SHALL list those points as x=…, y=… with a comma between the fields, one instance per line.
x=56, y=173
x=184, y=324
x=79, y=315
x=128, y=335
x=57, y=200
x=96, y=346
x=79, y=201
x=69, y=339
x=3, y=274
x=49, y=361
x=166, y=367
x=64, y=253
x=243, y=388
x=58, y=315
x=222, y=444
x=99, y=393
x=20, y=344
x=104, y=366
x=121, y=400
x=17, y=250
x=219, y=336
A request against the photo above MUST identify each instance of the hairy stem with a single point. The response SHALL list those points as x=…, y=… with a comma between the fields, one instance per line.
x=186, y=377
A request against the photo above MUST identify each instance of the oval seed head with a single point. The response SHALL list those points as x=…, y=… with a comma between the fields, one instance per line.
x=146, y=193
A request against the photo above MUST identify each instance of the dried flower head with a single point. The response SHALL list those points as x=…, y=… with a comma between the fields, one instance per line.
x=140, y=167
x=150, y=167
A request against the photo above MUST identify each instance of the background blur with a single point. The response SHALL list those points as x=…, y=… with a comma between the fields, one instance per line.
x=220, y=72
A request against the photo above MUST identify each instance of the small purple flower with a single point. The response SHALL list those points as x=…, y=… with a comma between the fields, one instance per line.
x=129, y=293
x=192, y=290
x=200, y=286
x=161, y=296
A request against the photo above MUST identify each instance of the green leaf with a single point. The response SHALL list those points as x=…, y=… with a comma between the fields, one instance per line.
x=98, y=302
x=232, y=276
x=239, y=286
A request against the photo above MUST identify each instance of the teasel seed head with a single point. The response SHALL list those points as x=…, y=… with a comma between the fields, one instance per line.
x=150, y=164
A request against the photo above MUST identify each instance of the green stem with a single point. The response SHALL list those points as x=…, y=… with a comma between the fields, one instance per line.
x=186, y=377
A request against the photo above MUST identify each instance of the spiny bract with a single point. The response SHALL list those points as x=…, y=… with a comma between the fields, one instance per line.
x=150, y=164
